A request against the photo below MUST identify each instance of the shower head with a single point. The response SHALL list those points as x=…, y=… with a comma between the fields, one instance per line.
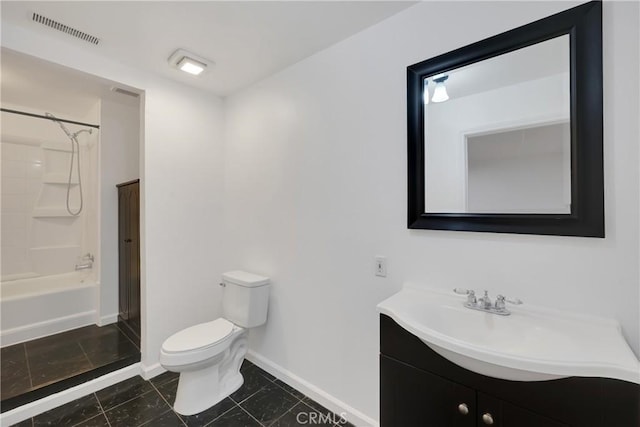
x=64, y=128
x=71, y=136
x=82, y=130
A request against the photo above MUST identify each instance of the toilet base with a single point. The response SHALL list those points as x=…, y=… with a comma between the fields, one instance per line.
x=200, y=389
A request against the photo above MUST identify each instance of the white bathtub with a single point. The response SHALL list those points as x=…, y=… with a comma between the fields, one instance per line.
x=40, y=306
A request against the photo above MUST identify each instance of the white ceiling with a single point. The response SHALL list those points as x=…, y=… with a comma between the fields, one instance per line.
x=247, y=40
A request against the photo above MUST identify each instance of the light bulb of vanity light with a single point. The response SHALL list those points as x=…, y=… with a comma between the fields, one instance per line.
x=440, y=92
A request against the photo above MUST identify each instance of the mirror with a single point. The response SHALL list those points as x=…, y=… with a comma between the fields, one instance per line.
x=505, y=135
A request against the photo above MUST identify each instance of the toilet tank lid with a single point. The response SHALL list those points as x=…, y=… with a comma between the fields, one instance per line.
x=242, y=278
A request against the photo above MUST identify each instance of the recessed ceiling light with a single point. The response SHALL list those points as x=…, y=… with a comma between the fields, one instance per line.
x=189, y=62
x=191, y=66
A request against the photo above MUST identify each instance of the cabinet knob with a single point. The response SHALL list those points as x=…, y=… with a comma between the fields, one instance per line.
x=463, y=408
x=487, y=419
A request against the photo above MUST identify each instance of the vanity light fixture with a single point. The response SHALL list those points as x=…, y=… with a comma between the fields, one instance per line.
x=425, y=92
x=440, y=92
x=189, y=62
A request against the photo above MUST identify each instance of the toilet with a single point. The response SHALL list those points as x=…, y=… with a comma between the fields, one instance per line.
x=208, y=355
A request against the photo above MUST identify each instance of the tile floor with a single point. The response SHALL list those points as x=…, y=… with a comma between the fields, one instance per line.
x=261, y=401
x=38, y=363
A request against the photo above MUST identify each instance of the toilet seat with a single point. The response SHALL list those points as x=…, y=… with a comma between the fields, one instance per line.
x=197, y=343
x=198, y=337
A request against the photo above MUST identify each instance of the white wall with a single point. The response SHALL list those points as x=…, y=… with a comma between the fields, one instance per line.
x=533, y=102
x=526, y=170
x=181, y=174
x=119, y=162
x=315, y=187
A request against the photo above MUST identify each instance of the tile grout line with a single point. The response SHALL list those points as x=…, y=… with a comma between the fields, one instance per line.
x=272, y=381
x=167, y=402
x=248, y=413
x=228, y=410
x=101, y=408
x=88, y=360
x=26, y=356
x=127, y=336
x=286, y=412
x=126, y=401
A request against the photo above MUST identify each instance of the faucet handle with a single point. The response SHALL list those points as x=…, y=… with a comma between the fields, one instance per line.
x=501, y=299
x=471, y=295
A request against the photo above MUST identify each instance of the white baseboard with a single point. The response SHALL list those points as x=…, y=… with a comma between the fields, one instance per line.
x=352, y=415
x=29, y=410
x=148, y=372
x=44, y=329
x=108, y=319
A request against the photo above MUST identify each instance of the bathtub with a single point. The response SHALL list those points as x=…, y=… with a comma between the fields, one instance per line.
x=40, y=306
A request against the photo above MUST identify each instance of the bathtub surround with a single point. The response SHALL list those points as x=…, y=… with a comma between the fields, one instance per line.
x=40, y=238
x=42, y=243
x=41, y=367
x=310, y=185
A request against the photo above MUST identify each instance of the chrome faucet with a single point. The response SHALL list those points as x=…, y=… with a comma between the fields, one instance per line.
x=484, y=303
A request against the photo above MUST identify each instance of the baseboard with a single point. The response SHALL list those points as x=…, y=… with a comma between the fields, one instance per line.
x=148, y=372
x=352, y=415
x=44, y=329
x=32, y=409
x=108, y=319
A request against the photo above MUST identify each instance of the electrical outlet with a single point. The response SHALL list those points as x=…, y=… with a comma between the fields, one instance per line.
x=380, y=266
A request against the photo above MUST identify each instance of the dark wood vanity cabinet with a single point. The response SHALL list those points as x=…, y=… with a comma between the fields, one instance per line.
x=129, y=255
x=419, y=388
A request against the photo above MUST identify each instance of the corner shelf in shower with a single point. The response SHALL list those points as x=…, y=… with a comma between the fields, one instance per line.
x=59, y=178
x=51, y=213
x=57, y=146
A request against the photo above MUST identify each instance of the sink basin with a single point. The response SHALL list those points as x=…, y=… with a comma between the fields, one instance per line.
x=532, y=344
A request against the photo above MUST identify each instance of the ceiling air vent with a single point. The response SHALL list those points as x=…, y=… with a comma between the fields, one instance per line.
x=65, y=29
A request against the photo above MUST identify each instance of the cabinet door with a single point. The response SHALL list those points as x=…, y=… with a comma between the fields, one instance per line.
x=498, y=413
x=410, y=397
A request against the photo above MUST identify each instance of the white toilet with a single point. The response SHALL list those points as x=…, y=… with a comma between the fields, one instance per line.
x=208, y=356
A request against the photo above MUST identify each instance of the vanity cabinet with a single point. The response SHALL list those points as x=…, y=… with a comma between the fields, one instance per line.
x=420, y=388
x=129, y=256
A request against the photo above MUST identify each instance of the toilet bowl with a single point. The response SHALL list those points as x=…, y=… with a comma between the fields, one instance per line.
x=208, y=356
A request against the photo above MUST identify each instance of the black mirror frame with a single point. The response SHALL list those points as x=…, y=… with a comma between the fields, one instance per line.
x=584, y=26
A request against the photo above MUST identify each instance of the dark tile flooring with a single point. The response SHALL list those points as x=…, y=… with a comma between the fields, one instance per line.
x=39, y=363
x=261, y=401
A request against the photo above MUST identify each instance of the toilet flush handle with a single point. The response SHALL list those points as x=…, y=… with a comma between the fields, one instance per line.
x=222, y=284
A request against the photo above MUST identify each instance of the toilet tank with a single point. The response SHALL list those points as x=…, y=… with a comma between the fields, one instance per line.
x=245, y=298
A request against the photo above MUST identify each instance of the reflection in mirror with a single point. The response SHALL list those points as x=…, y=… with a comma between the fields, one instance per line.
x=497, y=134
